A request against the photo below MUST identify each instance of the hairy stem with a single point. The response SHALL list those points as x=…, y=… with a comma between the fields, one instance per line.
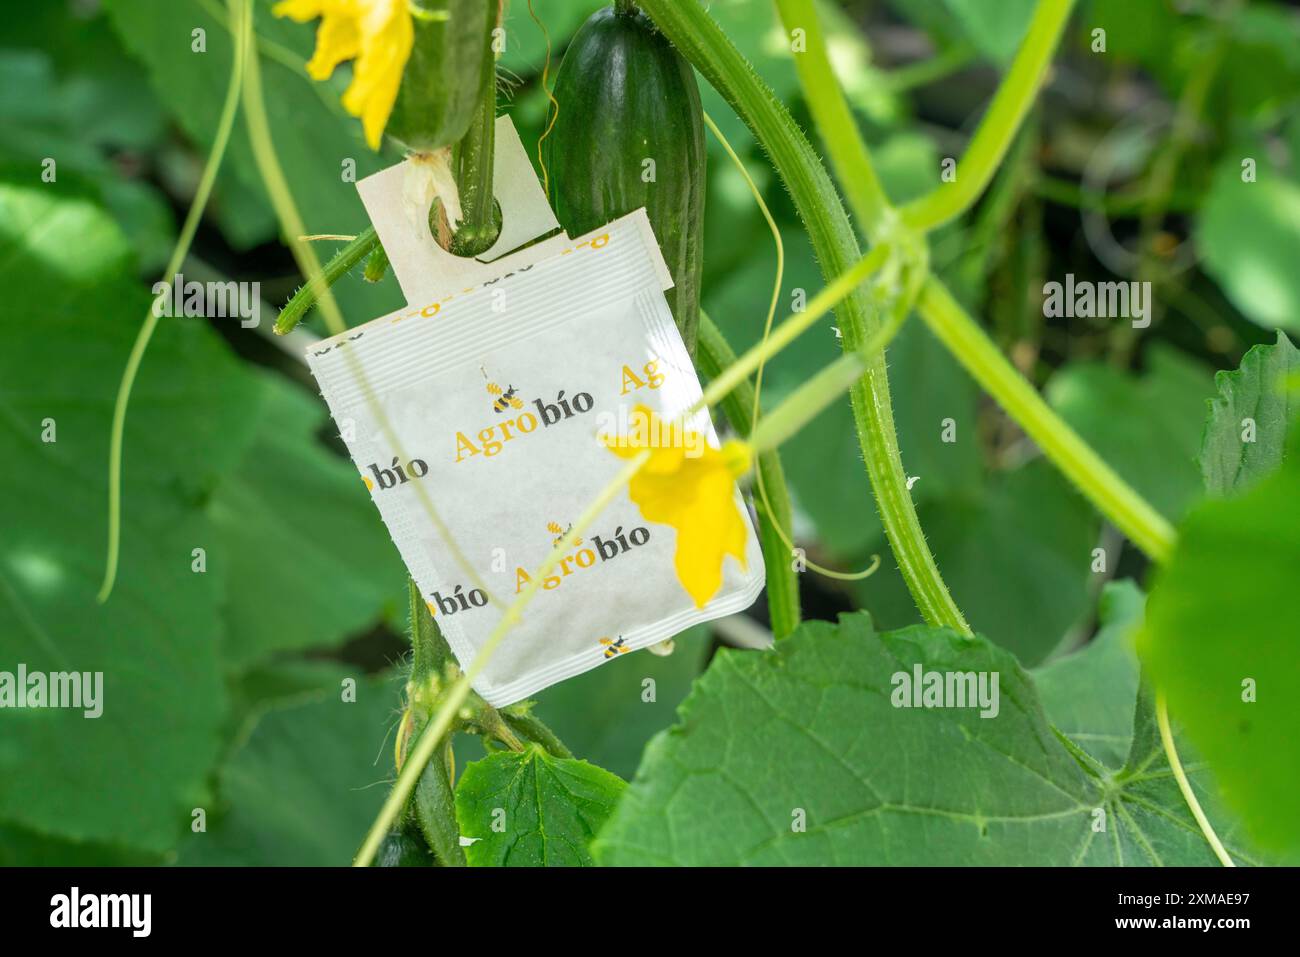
x=531, y=728
x=339, y=265
x=700, y=40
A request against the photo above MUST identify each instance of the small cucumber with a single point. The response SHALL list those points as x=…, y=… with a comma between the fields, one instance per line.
x=450, y=66
x=630, y=133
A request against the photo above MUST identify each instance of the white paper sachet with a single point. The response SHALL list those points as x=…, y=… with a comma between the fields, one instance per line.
x=498, y=394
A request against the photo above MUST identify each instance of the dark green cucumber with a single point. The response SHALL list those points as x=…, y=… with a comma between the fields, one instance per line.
x=404, y=847
x=627, y=97
x=447, y=74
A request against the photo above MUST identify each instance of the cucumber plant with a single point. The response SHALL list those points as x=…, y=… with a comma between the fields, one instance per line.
x=629, y=133
x=1087, y=757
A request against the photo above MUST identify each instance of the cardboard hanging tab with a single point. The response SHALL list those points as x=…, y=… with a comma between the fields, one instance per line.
x=424, y=270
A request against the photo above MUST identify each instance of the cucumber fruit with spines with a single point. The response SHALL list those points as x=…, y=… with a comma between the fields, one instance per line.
x=630, y=133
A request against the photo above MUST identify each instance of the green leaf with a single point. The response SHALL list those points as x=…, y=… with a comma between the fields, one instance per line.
x=22, y=848
x=806, y=733
x=1089, y=695
x=525, y=52
x=996, y=28
x=1257, y=391
x=313, y=136
x=548, y=809
x=1134, y=31
x=310, y=562
x=1221, y=641
x=76, y=120
x=1250, y=236
x=1096, y=699
x=131, y=775
x=603, y=714
x=305, y=785
x=283, y=682
x=755, y=28
x=1261, y=68
x=1027, y=533
x=1147, y=427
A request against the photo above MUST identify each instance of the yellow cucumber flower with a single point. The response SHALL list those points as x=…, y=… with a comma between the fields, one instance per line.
x=695, y=495
x=377, y=34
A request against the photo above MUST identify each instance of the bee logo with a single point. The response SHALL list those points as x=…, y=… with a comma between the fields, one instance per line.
x=559, y=532
x=505, y=399
x=614, y=648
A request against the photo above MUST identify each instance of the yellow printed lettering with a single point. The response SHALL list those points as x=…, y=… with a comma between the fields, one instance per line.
x=463, y=445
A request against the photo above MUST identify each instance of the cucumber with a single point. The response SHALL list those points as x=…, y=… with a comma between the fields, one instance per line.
x=404, y=847
x=450, y=65
x=626, y=96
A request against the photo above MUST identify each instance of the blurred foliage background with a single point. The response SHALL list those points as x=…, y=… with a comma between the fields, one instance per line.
x=222, y=688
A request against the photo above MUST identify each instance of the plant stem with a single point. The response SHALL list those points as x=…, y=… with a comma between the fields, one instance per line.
x=339, y=265
x=430, y=652
x=473, y=169
x=531, y=728
x=794, y=326
x=1114, y=497
x=701, y=41
x=834, y=119
x=998, y=128
x=1185, y=786
x=924, y=72
x=241, y=30
x=715, y=355
x=806, y=402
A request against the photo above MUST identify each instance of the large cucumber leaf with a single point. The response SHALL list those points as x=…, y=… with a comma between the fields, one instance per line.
x=304, y=786
x=131, y=775
x=798, y=756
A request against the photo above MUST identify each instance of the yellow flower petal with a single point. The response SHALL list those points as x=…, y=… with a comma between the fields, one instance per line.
x=696, y=496
x=337, y=39
x=377, y=34
x=303, y=10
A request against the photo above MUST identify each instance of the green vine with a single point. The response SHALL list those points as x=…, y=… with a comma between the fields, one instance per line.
x=700, y=39
x=966, y=340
